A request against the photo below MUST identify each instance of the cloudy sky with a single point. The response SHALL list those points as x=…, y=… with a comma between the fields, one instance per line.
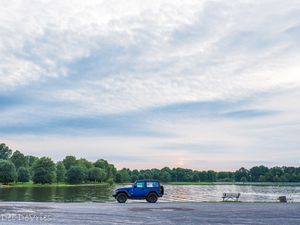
x=197, y=84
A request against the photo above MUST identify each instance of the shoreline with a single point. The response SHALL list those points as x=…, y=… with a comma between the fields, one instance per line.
x=30, y=184
x=235, y=183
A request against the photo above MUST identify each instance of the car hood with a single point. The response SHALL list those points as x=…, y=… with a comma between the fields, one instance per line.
x=123, y=189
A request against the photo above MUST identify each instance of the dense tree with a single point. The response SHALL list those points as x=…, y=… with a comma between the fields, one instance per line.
x=294, y=177
x=211, y=176
x=60, y=172
x=96, y=174
x=133, y=178
x=134, y=175
x=240, y=174
x=122, y=176
x=19, y=159
x=195, y=177
x=189, y=175
x=5, y=151
x=257, y=171
x=276, y=171
x=119, y=178
x=155, y=174
x=243, y=179
x=166, y=169
x=289, y=170
x=202, y=176
x=101, y=163
x=180, y=174
x=23, y=174
x=165, y=176
x=221, y=176
x=44, y=171
x=108, y=168
x=76, y=175
x=69, y=161
x=7, y=171
x=111, y=171
x=145, y=174
x=31, y=159
x=84, y=163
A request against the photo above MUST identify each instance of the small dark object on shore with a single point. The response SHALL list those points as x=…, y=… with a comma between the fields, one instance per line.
x=282, y=199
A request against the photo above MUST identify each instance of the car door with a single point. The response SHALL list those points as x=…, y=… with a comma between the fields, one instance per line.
x=139, y=189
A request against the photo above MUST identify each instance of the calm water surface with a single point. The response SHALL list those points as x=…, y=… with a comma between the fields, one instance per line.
x=209, y=193
x=173, y=193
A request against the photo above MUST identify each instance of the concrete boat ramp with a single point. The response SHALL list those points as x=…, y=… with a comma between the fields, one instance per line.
x=146, y=213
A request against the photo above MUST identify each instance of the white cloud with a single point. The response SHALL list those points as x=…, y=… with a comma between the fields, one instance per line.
x=51, y=34
x=172, y=52
x=87, y=58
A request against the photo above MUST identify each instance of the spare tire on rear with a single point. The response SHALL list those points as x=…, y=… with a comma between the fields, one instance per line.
x=162, y=190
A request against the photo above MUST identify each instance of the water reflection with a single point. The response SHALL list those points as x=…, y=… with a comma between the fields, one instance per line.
x=57, y=194
x=178, y=193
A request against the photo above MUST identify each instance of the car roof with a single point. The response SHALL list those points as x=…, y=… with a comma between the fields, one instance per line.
x=147, y=180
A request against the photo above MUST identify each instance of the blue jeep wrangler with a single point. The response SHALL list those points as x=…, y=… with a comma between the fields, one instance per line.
x=150, y=190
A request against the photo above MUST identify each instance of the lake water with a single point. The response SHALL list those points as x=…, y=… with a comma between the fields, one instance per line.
x=173, y=193
x=212, y=193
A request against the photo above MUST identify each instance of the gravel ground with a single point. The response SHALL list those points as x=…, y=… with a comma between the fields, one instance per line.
x=146, y=213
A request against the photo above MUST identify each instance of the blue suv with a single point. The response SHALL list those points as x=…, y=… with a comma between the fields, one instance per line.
x=150, y=190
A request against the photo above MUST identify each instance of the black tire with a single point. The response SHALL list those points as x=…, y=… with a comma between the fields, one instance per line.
x=151, y=198
x=121, y=197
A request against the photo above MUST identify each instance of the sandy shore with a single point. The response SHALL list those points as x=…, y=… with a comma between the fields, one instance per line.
x=145, y=213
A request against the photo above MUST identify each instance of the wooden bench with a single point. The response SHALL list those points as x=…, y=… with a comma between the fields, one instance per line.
x=233, y=196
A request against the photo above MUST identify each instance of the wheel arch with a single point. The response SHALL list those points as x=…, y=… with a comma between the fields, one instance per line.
x=152, y=192
x=123, y=192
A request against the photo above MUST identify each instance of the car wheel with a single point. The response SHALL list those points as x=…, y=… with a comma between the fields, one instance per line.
x=121, y=198
x=151, y=198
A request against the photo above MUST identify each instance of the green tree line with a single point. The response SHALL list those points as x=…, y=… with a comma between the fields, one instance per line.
x=255, y=174
x=17, y=167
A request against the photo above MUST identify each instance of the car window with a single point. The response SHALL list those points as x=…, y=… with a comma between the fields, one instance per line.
x=152, y=184
x=140, y=184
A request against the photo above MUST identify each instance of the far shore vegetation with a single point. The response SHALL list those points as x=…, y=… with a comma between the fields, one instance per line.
x=17, y=169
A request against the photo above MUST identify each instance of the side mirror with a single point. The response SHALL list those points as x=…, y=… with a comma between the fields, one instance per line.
x=134, y=185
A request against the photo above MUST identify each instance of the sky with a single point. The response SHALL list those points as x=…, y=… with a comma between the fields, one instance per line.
x=143, y=84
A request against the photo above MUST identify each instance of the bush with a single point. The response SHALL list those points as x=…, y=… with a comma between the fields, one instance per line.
x=110, y=181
